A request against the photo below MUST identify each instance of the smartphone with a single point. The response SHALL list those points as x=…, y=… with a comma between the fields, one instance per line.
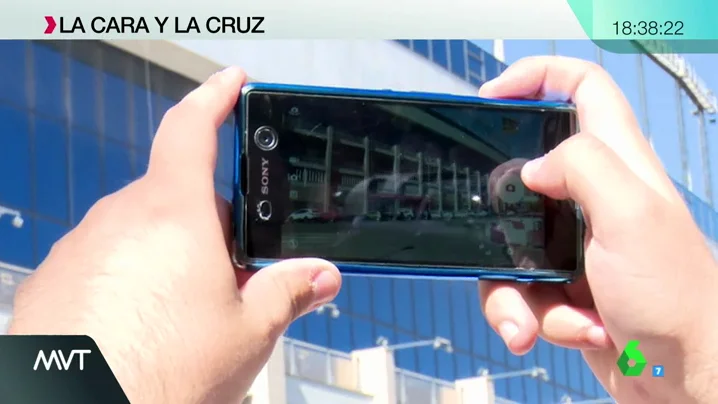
x=400, y=183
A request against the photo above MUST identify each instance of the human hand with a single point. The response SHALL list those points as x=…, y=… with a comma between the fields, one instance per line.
x=649, y=274
x=148, y=275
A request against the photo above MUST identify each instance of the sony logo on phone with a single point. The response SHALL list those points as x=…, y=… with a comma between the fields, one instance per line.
x=265, y=176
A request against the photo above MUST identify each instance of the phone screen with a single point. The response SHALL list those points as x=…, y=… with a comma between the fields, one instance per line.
x=402, y=182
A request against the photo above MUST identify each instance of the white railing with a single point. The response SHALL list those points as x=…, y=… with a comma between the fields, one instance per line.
x=320, y=364
x=415, y=388
x=10, y=277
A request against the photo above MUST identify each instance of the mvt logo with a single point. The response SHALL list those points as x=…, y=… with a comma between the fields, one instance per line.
x=61, y=360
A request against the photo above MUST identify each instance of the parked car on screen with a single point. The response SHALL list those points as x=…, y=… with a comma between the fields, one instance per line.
x=303, y=215
x=331, y=215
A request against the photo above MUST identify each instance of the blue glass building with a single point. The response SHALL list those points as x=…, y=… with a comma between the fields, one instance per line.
x=76, y=122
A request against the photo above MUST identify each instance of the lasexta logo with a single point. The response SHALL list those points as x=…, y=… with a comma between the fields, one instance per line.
x=631, y=354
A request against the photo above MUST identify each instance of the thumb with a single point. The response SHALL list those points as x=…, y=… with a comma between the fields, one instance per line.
x=277, y=295
x=587, y=171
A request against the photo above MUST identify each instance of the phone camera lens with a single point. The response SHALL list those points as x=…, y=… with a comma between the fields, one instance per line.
x=266, y=138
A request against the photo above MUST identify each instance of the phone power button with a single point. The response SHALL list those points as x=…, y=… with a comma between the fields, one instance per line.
x=264, y=210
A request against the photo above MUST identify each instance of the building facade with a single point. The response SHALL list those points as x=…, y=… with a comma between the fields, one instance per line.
x=76, y=122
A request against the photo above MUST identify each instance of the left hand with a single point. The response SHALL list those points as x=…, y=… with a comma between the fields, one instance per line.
x=148, y=274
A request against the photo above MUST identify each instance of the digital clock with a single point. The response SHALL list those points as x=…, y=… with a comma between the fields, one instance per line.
x=631, y=28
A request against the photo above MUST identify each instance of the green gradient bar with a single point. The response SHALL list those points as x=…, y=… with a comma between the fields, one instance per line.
x=685, y=27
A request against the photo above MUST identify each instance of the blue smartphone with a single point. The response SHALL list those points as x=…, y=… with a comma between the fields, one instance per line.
x=400, y=183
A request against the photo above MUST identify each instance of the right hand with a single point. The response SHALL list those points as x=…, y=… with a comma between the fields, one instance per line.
x=650, y=275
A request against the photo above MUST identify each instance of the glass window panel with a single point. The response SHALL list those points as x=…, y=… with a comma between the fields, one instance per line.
x=13, y=64
x=86, y=181
x=493, y=66
x=404, y=42
x=15, y=183
x=51, y=197
x=515, y=388
x=47, y=234
x=460, y=316
x=17, y=243
x=545, y=360
x=362, y=334
x=548, y=393
x=426, y=361
x=359, y=294
x=561, y=392
x=405, y=358
x=297, y=328
x=116, y=108
x=342, y=299
x=403, y=305
x=340, y=333
x=143, y=128
x=422, y=309
x=382, y=331
x=439, y=52
x=445, y=362
x=513, y=360
x=421, y=47
x=318, y=329
x=48, y=69
x=142, y=158
x=480, y=330
x=442, y=299
x=575, y=362
x=497, y=348
x=118, y=170
x=225, y=155
x=559, y=372
x=464, y=366
x=225, y=191
x=381, y=292
x=475, y=66
x=457, y=55
x=501, y=386
x=531, y=386
x=83, y=90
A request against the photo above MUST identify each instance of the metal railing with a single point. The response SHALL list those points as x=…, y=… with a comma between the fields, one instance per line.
x=415, y=388
x=321, y=365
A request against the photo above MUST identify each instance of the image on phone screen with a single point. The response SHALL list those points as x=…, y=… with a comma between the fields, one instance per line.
x=403, y=182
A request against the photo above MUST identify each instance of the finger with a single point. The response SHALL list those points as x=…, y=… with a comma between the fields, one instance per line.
x=280, y=293
x=562, y=323
x=186, y=142
x=519, y=314
x=509, y=315
x=584, y=169
x=603, y=110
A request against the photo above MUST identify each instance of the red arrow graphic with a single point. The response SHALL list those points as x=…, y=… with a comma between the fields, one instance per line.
x=50, y=24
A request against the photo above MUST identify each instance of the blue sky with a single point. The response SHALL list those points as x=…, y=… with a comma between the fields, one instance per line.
x=661, y=100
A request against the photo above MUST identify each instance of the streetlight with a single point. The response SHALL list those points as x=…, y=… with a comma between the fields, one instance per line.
x=437, y=343
x=535, y=373
x=567, y=400
x=331, y=308
x=17, y=220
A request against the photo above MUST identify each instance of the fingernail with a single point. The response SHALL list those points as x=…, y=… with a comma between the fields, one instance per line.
x=324, y=286
x=487, y=86
x=508, y=331
x=531, y=167
x=597, y=336
x=229, y=73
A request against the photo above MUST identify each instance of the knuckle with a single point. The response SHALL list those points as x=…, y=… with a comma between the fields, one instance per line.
x=579, y=148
